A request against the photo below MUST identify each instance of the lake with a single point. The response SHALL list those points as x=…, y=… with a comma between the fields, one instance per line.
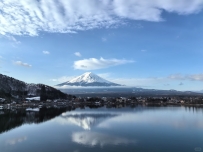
x=103, y=129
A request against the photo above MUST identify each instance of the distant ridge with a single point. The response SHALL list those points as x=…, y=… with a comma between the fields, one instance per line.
x=89, y=79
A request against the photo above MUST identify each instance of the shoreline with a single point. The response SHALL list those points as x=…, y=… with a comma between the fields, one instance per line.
x=77, y=104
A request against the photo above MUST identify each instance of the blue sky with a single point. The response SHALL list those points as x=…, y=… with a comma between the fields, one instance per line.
x=150, y=44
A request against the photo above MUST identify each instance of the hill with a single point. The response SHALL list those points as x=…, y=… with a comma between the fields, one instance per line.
x=13, y=88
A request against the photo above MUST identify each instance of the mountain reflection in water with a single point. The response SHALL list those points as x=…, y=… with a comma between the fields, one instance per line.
x=10, y=119
x=88, y=129
x=85, y=120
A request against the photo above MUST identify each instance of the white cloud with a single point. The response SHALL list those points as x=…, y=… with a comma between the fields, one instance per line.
x=13, y=39
x=176, y=77
x=62, y=79
x=1, y=57
x=20, y=63
x=193, y=77
x=46, y=52
x=30, y=17
x=77, y=54
x=93, y=63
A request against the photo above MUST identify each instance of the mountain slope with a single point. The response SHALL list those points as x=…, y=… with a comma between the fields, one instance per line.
x=89, y=79
x=10, y=87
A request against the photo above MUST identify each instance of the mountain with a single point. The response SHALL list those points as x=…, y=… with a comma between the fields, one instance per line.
x=201, y=91
x=10, y=87
x=126, y=92
x=89, y=79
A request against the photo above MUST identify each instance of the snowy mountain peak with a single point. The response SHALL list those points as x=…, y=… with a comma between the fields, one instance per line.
x=88, y=79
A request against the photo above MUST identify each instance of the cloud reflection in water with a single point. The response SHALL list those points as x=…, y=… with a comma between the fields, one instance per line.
x=16, y=140
x=94, y=138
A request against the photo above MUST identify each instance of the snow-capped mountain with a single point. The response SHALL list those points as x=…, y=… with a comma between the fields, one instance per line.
x=89, y=79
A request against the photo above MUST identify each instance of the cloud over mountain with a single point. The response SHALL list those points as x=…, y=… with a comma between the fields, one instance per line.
x=93, y=63
x=30, y=17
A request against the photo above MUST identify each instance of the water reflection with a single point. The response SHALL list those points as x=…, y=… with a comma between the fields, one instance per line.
x=177, y=120
x=16, y=140
x=85, y=120
x=10, y=119
x=167, y=129
x=94, y=138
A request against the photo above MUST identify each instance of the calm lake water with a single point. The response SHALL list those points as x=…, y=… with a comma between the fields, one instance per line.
x=130, y=129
